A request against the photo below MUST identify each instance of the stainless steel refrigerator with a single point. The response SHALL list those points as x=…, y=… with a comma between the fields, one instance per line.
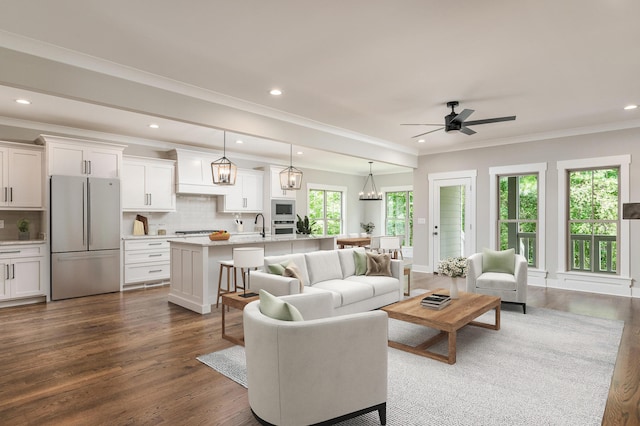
x=85, y=236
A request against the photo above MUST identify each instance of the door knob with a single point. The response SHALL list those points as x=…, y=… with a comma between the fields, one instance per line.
x=435, y=233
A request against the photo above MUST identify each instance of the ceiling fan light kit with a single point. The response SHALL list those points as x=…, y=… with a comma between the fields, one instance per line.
x=458, y=122
x=369, y=190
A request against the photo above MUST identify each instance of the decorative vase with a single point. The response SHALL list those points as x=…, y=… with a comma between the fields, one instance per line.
x=453, y=291
x=23, y=235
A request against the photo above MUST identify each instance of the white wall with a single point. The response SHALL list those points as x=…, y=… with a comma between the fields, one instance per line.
x=550, y=151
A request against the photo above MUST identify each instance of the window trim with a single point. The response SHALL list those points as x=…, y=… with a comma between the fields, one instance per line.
x=521, y=169
x=336, y=188
x=620, y=161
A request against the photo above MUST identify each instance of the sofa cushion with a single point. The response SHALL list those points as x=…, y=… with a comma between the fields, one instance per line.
x=351, y=291
x=293, y=271
x=348, y=260
x=499, y=261
x=297, y=258
x=496, y=281
x=336, y=296
x=378, y=264
x=276, y=308
x=380, y=284
x=323, y=265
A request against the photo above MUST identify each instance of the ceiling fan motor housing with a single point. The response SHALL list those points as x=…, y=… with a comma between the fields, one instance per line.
x=451, y=124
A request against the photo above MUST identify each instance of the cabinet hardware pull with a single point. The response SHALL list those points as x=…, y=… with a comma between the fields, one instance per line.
x=5, y=193
x=13, y=271
x=89, y=166
x=155, y=244
x=150, y=202
x=11, y=194
x=10, y=252
x=155, y=255
x=155, y=270
x=6, y=272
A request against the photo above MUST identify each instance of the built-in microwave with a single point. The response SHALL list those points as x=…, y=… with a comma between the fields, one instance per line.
x=283, y=211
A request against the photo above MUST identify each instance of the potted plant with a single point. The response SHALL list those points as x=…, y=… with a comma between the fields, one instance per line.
x=304, y=226
x=368, y=227
x=23, y=229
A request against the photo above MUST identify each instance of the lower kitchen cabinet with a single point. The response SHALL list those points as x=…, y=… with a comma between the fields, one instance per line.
x=22, y=271
x=146, y=261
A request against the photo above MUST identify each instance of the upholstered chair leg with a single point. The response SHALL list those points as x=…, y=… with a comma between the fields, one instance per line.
x=524, y=308
x=382, y=412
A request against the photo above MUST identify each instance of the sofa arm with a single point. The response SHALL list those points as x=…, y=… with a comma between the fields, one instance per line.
x=274, y=284
x=474, y=270
x=521, y=273
x=397, y=270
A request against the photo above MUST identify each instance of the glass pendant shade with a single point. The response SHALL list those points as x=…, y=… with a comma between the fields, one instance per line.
x=290, y=178
x=223, y=170
x=369, y=191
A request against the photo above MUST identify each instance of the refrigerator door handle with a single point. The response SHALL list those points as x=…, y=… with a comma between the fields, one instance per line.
x=84, y=217
x=88, y=215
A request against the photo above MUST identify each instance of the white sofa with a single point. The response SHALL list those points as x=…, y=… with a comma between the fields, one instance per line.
x=324, y=369
x=333, y=271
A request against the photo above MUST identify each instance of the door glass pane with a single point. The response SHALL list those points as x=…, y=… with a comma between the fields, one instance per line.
x=452, y=204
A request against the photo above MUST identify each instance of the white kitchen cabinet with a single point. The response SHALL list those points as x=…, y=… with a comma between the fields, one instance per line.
x=75, y=157
x=20, y=177
x=274, y=180
x=22, y=271
x=148, y=185
x=193, y=173
x=246, y=195
x=146, y=260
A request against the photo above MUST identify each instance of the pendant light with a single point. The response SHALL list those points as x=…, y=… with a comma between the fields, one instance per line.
x=223, y=170
x=290, y=178
x=370, y=193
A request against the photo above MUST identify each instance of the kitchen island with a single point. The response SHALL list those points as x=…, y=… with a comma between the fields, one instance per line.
x=195, y=263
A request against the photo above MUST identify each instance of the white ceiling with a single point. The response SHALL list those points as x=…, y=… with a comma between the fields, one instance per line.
x=352, y=71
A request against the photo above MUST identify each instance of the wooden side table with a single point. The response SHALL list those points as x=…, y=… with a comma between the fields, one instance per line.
x=234, y=300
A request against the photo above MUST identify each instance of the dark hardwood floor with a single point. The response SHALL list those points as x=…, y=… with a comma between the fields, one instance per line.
x=130, y=359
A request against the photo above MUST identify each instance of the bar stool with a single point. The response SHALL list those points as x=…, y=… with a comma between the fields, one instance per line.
x=228, y=265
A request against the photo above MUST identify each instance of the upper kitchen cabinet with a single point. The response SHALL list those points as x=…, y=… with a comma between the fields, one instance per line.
x=274, y=184
x=75, y=157
x=20, y=176
x=148, y=185
x=194, y=173
x=245, y=195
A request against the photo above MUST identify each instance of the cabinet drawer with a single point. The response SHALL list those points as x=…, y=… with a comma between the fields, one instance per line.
x=146, y=244
x=146, y=256
x=21, y=251
x=141, y=273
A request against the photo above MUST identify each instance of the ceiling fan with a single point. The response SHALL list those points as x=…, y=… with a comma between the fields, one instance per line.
x=456, y=121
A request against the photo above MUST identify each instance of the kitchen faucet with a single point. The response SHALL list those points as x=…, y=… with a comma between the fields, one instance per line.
x=256, y=221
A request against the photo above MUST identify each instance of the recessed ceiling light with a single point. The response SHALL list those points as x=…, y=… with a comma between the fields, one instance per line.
x=23, y=101
x=239, y=141
x=421, y=141
x=275, y=92
x=299, y=152
x=631, y=107
x=154, y=126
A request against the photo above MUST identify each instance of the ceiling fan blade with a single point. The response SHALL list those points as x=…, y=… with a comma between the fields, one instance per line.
x=463, y=115
x=490, y=120
x=420, y=124
x=426, y=133
x=467, y=131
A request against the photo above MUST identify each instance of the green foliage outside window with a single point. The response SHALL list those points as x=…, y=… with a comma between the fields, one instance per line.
x=399, y=215
x=518, y=215
x=325, y=208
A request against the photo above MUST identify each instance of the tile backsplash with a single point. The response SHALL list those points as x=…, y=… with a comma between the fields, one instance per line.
x=192, y=212
x=10, y=230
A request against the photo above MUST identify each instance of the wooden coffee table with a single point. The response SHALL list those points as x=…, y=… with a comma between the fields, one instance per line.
x=449, y=320
x=234, y=300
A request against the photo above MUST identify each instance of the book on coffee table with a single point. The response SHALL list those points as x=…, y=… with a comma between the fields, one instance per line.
x=436, y=301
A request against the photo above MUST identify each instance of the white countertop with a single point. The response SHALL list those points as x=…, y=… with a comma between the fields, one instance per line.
x=182, y=237
x=21, y=242
x=245, y=239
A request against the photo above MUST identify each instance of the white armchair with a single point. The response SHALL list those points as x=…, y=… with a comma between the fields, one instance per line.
x=322, y=369
x=510, y=287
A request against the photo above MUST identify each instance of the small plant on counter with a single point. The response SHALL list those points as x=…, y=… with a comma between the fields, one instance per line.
x=304, y=226
x=367, y=227
x=23, y=225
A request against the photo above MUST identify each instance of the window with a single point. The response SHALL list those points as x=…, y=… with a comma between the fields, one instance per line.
x=593, y=220
x=518, y=215
x=399, y=215
x=326, y=209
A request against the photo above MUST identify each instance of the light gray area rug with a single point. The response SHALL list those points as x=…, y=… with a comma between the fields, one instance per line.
x=543, y=368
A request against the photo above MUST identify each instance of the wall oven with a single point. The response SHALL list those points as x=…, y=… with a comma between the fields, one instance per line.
x=283, y=217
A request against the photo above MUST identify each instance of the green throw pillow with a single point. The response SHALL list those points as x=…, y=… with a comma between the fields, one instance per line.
x=278, y=268
x=276, y=308
x=360, y=259
x=499, y=261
